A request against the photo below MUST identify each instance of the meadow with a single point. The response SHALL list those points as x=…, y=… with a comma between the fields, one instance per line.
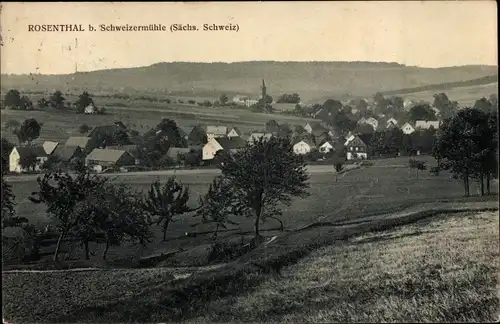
x=385, y=187
x=442, y=269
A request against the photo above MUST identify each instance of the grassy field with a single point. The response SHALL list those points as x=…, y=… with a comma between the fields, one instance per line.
x=383, y=188
x=442, y=270
x=141, y=116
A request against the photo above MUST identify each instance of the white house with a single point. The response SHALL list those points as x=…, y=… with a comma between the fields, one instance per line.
x=326, y=147
x=356, y=148
x=223, y=143
x=216, y=132
x=427, y=124
x=19, y=153
x=49, y=147
x=407, y=129
x=370, y=121
x=90, y=109
x=240, y=100
x=302, y=147
x=251, y=102
x=234, y=132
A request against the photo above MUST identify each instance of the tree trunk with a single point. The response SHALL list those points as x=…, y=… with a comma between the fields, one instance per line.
x=105, y=250
x=466, y=185
x=86, y=244
x=488, y=175
x=258, y=212
x=482, y=183
x=165, y=227
x=58, y=246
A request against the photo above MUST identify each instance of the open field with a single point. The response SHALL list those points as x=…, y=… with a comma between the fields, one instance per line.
x=440, y=270
x=383, y=188
x=466, y=96
x=443, y=268
x=141, y=116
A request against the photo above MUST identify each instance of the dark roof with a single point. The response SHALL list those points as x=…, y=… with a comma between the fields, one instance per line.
x=174, y=151
x=357, y=141
x=77, y=141
x=108, y=129
x=231, y=143
x=131, y=149
x=24, y=151
x=66, y=153
x=106, y=155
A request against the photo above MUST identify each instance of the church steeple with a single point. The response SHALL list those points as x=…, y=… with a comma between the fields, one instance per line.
x=264, y=89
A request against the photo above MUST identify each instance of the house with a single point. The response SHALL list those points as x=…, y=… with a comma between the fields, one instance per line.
x=240, y=100
x=223, y=143
x=101, y=158
x=251, y=102
x=302, y=146
x=407, y=129
x=370, y=121
x=355, y=148
x=133, y=150
x=184, y=131
x=326, y=147
x=216, y=132
x=257, y=136
x=198, y=135
x=427, y=124
x=79, y=141
x=392, y=120
x=49, y=147
x=68, y=154
x=284, y=107
x=18, y=154
x=90, y=109
x=234, y=132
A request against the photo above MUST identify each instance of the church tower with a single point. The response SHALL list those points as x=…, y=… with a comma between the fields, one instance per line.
x=264, y=90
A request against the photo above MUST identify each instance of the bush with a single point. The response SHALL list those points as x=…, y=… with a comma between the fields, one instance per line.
x=191, y=102
x=366, y=163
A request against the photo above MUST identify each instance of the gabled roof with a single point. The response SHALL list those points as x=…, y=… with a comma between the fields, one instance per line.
x=108, y=129
x=236, y=129
x=426, y=124
x=305, y=140
x=66, y=153
x=231, y=143
x=105, y=155
x=217, y=130
x=326, y=142
x=49, y=146
x=354, y=140
x=185, y=130
x=131, y=149
x=24, y=151
x=174, y=151
x=80, y=141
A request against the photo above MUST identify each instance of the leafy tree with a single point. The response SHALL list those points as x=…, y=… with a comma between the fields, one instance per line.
x=397, y=103
x=218, y=204
x=52, y=163
x=446, y=107
x=28, y=161
x=28, y=131
x=223, y=99
x=68, y=201
x=84, y=128
x=13, y=98
x=263, y=175
x=484, y=105
x=193, y=158
x=57, y=100
x=417, y=165
x=289, y=98
x=422, y=112
x=8, y=200
x=167, y=201
x=84, y=100
x=272, y=126
x=461, y=146
x=26, y=103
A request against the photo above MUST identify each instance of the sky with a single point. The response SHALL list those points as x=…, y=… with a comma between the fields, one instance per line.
x=420, y=33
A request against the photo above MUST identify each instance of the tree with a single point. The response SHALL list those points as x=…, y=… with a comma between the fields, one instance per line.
x=84, y=100
x=84, y=128
x=223, y=99
x=43, y=103
x=29, y=131
x=52, y=163
x=218, y=204
x=263, y=175
x=28, y=161
x=26, y=103
x=272, y=126
x=69, y=201
x=417, y=165
x=461, y=145
x=289, y=98
x=13, y=98
x=57, y=100
x=167, y=201
x=446, y=107
x=8, y=200
x=484, y=105
x=422, y=112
